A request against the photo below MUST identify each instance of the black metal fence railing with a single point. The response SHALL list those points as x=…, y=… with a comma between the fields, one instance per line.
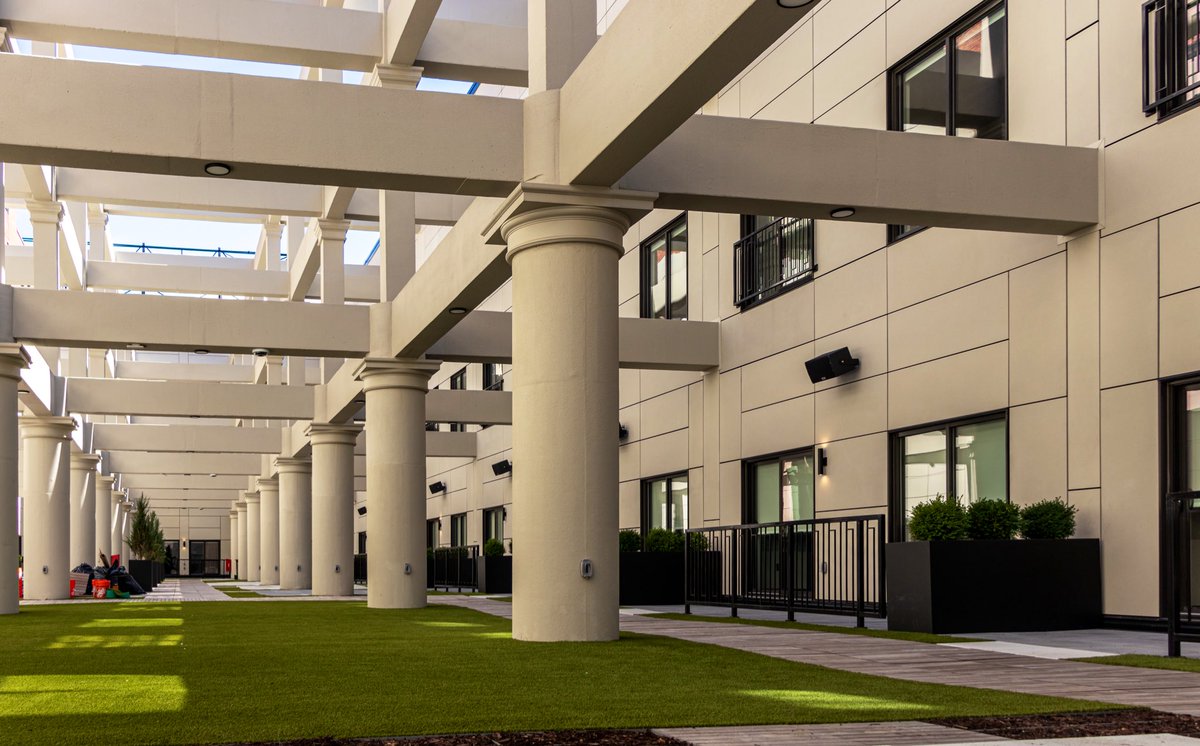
x=1183, y=570
x=360, y=569
x=772, y=259
x=453, y=567
x=1170, y=54
x=825, y=565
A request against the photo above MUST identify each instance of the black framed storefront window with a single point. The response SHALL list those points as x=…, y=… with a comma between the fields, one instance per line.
x=664, y=274
x=493, y=524
x=458, y=530
x=665, y=503
x=779, y=488
x=432, y=529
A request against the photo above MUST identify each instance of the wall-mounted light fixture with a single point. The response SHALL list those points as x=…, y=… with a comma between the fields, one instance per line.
x=362, y=509
x=822, y=461
x=502, y=467
x=437, y=487
x=622, y=431
x=831, y=365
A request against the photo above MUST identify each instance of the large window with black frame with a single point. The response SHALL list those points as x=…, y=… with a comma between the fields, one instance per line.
x=665, y=503
x=774, y=255
x=779, y=488
x=957, y=84
x=664, y=274
x=432, y=529
x=1171, y=55
x=458, y=530
x=967, y=459
x=493, y=524
x=493, y=377
x=458, y=382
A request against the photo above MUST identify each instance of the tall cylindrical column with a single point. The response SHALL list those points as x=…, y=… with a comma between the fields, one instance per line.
x=12, y=361
x=103, y=520
x=332, y=508
x=83, y=508
x=565, y=576
x=126, y=527
x=395, y=391
x=46, y=456
x=253, y=536
x=268, y=520
x=115, y=524
x=233, y=541
x=295, y=523
x=243, y=544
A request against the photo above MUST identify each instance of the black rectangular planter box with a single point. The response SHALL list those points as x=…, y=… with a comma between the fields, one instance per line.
x=143, y=572
x=993, y=586
x=494, y=573
x=651, y=578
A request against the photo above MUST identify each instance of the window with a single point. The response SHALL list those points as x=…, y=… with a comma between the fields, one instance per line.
x=956, y=85
x=774, y=255
x=432, y=527
x=493, y=377
x=665, y=503
x=664, y=272
x=1171, y=55
x=458, y=382
x=458, y=530
x=780, y=488
x=362, y=542
x=493, y=524
x=967, y=459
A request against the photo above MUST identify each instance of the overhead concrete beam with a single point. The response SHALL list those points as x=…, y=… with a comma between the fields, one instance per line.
x=184, y=119
x=473, y=407
x=654, y=67
x=256, y=30
x=362, y=281
x=188, y=399
x=449, y=445
x=128, y=462
x=68, y=319
x=143, y=371
x=406, y=23
x=190, y=482
x=755, y=167
x=492, y=53
x=182, y=438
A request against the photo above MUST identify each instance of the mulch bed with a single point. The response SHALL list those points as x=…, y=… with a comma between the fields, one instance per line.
x=542, y=738
x=1079, y=724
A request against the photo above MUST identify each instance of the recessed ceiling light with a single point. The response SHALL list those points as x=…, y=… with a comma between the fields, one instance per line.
x=217, y=169
x=200, y=351
x=842, y=212
x=458, y=311
x=135, y=346
x=792, y=4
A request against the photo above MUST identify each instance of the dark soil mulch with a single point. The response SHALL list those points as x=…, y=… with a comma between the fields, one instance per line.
x=543, y=738
x=1079, y=724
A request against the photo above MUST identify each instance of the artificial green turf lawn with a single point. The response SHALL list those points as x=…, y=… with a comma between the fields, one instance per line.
x=887, y=633
x=1191, y=665
x=205, y=672
x=239, y=593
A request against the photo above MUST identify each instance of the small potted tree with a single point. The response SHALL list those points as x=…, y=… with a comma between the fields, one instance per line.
x=145, y=545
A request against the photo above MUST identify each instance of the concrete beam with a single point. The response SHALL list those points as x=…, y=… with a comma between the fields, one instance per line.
x=406, y=23
x=758, y=167
x=213, y=372
x=182, y=438
x=184, y=119
x=362, y=282
x=188, y=399
x=473, y=407
x=191, y=482
x=457, y=49
x=128, y=462
x=67, y=319
x=449, y=445
x=655, y=66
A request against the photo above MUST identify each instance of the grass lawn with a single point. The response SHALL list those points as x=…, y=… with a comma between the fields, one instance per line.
x=889, y=634
x=1192, y=665
x=239, y=593
x=142, y=673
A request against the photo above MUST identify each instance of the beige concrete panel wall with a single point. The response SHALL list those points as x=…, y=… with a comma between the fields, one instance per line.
x=1037, y=447
x=658, y=382
x=629, y=495
x=776, y=378
x=1179, y=345
x=712, y=445
x=731, y=493
x=695, y=508
x=795, y=104
x=1081, y=14
x=849, y=68
x=1129, y=520
x=1083, y=361
x=729, y=230
x=696, y=425
x=838, y=21
x=851, y=295
x=1087, y=513
x=865, y=108
x=778, y=427
x=968, y=383
x=664, y=454
x=1038, y=330
x=1178, y=246
x=783, y=323
x=730, y=415
x=974, y=316
x=664, y=413
x=857, y=475
x=711, y=274
x=1128, y=306
x=630, y=417
x=1083, y=86
x=630, y=383
x=790, y=60
x=1037, y=71
x=839, y=242
x=911, y=23
x=1137, y=182
x=629, y=461
x=853, y=409
x=868, y=342
x=1121, y=70
x=629, y=275
x=937, y=261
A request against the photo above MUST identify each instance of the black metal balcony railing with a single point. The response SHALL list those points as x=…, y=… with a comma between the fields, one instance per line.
x=825, y=565
x=1183, y=596
x=453, y=567
x=1170, y=54
x=772, y=259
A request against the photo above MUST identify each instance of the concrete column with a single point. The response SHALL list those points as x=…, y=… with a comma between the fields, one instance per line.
x=295, y=522
x=253, y=536
x=395, y=391
x=45, y=218
x=126, y=525
x=103, y=520
x=332, y=508
x=114, y=522
x=243, y=551
x=83, y=508
x=45, y=461
x=12, y=360
x=397, y=243
x=331, y=242
x=268, y=546
x=564, y=401
x=233, y=541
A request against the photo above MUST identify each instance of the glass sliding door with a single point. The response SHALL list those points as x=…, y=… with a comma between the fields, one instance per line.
x=665, y=503
x=778, y=489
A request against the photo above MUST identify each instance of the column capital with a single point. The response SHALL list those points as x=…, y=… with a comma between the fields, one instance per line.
x=117, y=497
x=250, y=498
x=57, y=428
x=332, y=230
x=268, y=484
x=402, y=77
x=13, y=359
x=289, y=465
x=44, y=211
x=392, y=373
x=105, y=482
x=233, y=514
x=324, y=433
x=84, y=461
x=240, y=506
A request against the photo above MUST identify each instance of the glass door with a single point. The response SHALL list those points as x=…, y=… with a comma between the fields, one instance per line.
x=1183, y=476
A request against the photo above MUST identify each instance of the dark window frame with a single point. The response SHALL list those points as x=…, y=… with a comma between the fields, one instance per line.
x=362, y=542
x=1167, y=41
x=493, y=377
x=748, y=227
x=944, y=39
x=487, y=513
x=750, y=477
x=458, y=382
x=433, y=530
x=645, y=506
x=459, y=531
x=645, y=260
x=897, y=521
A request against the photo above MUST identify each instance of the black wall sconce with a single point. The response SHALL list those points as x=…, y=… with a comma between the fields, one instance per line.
x=822, y=461
x=437, y=487
x=831, y=365
x=502, y=467
x=362, y=510
x=622, y=431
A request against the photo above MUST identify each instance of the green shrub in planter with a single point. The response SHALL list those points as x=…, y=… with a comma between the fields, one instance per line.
x=631, y=541
x=940, y=519
x=663, y=540
x=993, y=519
x=493, y=548
x=697, y=543
x=1048, y=519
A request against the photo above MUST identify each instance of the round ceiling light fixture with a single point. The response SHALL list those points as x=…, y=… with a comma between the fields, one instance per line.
x=793, y=4
x=842, y=213
x=135, y=346
x=200, y=351
x=457, y=311
x=218, y=169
